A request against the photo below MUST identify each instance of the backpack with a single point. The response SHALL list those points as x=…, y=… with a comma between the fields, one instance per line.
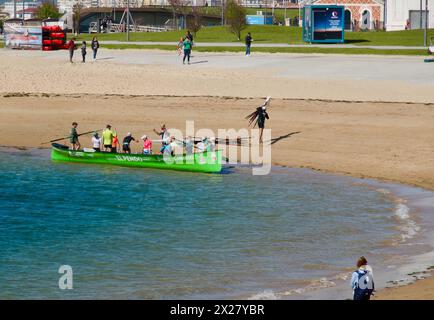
x=364, y=286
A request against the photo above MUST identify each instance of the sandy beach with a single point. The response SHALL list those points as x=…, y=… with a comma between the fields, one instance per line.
x=365, y=124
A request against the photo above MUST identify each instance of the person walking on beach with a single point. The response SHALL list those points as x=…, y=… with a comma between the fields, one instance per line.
x=187, y=50
x=95, y=46
x=96, y=142
x=83, y=51
x=259, y=117
x=249, y=40
x=107, y=138
x=71, y=48
x=73, y=137
x=362, y=280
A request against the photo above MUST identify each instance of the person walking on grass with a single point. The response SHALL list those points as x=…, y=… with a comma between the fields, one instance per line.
x=71, y=48
x=249, y=40
x=83, y=51
x=187, y=50
x=73, y=137
x=95, y=46
x=362, y=280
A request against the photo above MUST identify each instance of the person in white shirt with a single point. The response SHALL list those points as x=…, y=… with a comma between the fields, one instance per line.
x=200, y=147
x=362, y=280
x=96, y=142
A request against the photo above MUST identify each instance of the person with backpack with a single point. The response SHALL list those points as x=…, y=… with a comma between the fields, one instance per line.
x=362, y=280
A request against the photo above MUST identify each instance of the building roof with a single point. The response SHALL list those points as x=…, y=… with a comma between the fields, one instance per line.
x=28, y=10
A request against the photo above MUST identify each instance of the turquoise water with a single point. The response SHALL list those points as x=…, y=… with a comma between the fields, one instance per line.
x=147, y=234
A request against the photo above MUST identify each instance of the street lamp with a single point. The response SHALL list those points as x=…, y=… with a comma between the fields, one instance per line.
x=425, y=33
x=128, y=20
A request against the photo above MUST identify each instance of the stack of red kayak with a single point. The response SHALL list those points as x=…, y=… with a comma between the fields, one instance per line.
x=53, y=38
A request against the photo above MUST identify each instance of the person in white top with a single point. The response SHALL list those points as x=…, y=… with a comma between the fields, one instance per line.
x=96, y=142
x=362, y=280
x=200, y=147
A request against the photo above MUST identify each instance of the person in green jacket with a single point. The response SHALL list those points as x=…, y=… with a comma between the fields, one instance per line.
x=73, y=137
x=187, y=50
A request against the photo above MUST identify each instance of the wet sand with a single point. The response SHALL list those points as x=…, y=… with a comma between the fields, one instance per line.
x=381, y=140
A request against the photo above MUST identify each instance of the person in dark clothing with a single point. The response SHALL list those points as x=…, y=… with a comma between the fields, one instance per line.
x=249, y=40
x=126, y=143
x=83, y=51
x=95, y=46
x=71, y=48
x=260, y=114
x=190, y=37
x=73, y=137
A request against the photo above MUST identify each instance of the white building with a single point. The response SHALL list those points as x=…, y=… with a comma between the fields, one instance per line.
x=65, y=6
x=405, y=14
x=9, y=7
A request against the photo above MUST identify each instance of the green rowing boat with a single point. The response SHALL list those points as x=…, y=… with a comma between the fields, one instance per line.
x=197, y=162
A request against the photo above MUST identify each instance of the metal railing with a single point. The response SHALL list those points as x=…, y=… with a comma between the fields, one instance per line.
x=118, y=27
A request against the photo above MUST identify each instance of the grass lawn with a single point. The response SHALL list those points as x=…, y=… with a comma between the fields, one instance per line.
x=277, y=50
x=272, y=34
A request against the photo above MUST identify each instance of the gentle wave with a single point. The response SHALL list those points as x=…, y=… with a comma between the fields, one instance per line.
x=410, y=227
x=317, y=284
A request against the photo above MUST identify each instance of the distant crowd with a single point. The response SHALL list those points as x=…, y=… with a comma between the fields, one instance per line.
x=184, y=46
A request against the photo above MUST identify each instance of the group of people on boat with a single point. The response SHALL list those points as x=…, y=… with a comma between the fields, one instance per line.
x=109, y=142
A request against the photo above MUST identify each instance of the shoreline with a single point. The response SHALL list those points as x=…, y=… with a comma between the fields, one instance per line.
x=132, y=96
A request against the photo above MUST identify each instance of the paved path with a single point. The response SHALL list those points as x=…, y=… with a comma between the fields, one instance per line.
x=267, y=45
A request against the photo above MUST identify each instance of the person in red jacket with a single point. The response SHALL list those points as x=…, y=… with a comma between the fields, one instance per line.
x=71, y=48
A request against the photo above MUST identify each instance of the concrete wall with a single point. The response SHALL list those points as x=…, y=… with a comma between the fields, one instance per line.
x=398, y=12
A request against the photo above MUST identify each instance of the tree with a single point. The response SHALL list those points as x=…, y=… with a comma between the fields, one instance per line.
x=195, y=24
x=235, y=18
x=179, y=7
x=76, y=11
x=47, y=11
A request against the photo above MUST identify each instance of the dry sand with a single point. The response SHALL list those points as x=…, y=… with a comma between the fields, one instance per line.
x=387, y=141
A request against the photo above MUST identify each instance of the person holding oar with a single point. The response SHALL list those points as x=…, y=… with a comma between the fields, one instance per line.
x=259, y=116
x=73, y=137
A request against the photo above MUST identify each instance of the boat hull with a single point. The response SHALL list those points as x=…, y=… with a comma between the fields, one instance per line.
x=197, y=162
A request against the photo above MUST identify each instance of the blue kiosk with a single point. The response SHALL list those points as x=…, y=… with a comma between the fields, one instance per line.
x=323, y=24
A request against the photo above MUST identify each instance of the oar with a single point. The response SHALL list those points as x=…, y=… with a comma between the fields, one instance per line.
x=81, y=134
